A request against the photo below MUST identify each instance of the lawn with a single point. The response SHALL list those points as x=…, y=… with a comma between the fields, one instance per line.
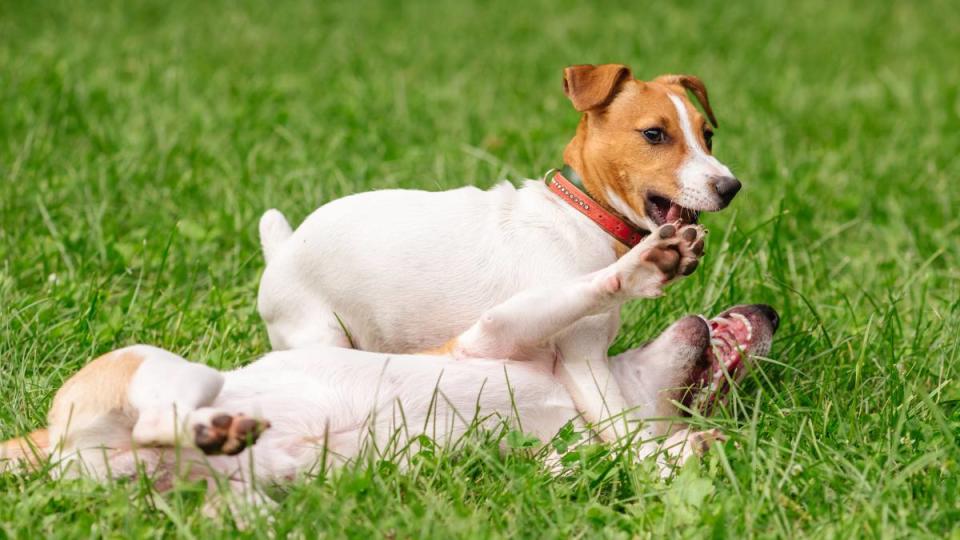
x=140, y=142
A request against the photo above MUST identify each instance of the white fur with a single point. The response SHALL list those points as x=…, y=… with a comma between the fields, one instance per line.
x=163, y=393
x=625, y=210
x=406, y=270
x=699, y=167
x=326, y=404
x=335, y=402
x=164, y=409
x=330, y=401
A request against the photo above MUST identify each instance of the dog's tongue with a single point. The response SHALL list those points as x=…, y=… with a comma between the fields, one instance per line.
x=674, y=212
x=681, y=214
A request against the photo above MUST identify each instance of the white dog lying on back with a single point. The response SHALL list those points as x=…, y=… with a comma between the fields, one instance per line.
x=133, y=406
x=404, y=270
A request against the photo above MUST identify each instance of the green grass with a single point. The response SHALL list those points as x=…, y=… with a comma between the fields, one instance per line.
x=140, y=141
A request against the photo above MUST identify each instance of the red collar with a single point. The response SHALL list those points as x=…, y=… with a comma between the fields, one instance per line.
x=621, y=230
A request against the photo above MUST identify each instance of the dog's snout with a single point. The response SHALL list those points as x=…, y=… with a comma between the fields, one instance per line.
x=770, y=314
x=726, y=187
x=693, y=330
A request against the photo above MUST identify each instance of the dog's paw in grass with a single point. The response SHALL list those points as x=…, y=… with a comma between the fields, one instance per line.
x=228, y=434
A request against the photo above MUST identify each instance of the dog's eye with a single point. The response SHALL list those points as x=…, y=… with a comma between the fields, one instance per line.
x=654, y=135
x=708, y=137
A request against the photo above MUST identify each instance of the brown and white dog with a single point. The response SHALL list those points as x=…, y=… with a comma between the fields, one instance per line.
x=143, y=408
x=403, y=270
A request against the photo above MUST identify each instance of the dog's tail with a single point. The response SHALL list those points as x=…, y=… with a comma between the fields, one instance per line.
x=24, y=451
x=274, y=231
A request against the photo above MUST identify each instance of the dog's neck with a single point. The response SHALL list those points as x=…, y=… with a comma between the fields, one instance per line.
x=627, y=371
x=573, y=193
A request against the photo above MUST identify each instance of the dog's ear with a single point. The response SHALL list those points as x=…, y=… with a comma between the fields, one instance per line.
x=694, y=85
x=590, y=87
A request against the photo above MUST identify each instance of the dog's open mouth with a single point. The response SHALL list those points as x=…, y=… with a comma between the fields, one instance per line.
x=727, y=347
x=733, y=340
x=662, y=210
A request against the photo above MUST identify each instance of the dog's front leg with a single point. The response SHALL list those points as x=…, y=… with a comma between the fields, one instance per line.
x=532, y=317
x=585, y=372
x=584, y=368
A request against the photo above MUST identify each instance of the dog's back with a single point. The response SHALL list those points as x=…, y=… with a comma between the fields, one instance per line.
x=404, y=271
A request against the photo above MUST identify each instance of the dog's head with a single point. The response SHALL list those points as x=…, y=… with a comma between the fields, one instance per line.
x=642, y=148
x=695, y=359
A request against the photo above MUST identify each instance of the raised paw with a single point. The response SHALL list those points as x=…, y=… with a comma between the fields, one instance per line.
x=690, y=247
x=675, y=249
x=668, y=252
x=228, y=434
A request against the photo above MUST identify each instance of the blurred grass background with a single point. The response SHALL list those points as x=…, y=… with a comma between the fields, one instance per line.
x=140, y=142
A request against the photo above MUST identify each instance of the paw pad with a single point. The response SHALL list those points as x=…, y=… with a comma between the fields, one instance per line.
x=228, y=434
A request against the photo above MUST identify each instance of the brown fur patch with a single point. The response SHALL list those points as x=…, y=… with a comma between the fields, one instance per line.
x=695, y=85
x=589, y=86
x=98, y=388
x=620, y=249
x=444, y=350
x=28, y=450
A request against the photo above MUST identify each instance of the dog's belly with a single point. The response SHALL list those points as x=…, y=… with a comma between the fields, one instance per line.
x=326, y=396
x=408, y=270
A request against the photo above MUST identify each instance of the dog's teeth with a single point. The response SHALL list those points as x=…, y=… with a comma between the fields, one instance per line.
x=746, y=323
x=729, y=341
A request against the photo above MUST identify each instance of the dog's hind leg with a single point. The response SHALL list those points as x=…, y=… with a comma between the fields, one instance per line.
x=302, y=322
x=131, y=396
x=136, y=396
x=296, y=316
x=165, y=391
x=173, y=399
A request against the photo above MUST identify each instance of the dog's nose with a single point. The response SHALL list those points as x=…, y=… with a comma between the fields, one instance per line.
x=770, y=314
x=726, y=187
